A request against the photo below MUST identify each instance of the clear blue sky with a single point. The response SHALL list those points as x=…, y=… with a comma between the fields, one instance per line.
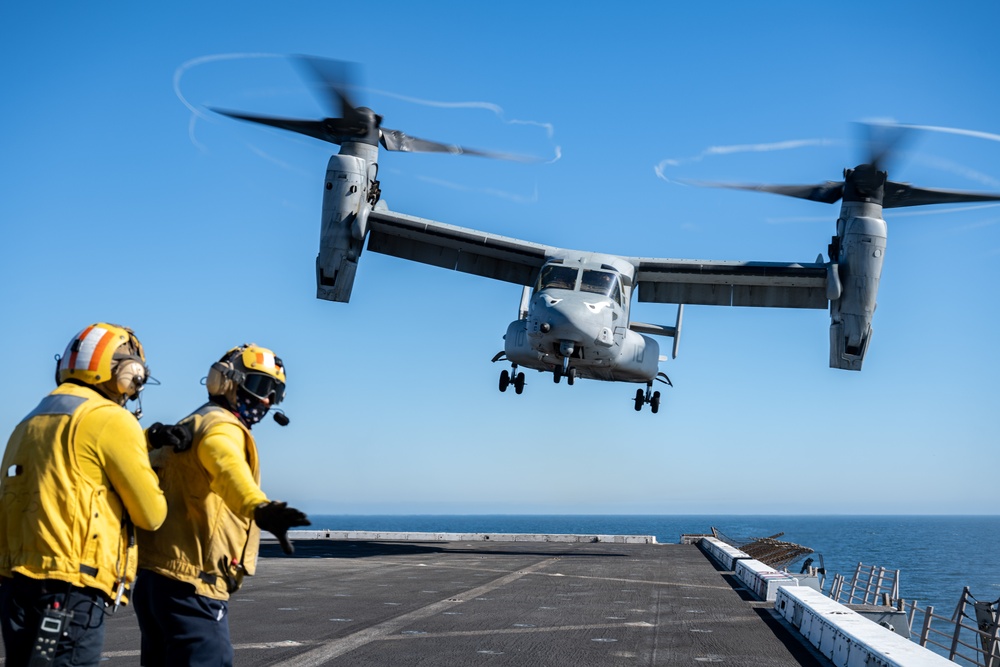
x=120, y=203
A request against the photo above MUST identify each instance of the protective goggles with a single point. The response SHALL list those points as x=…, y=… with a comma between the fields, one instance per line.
x=264, y=386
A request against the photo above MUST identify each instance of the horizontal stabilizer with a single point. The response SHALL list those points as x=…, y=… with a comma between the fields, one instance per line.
x=662, y=330
x=653, y=329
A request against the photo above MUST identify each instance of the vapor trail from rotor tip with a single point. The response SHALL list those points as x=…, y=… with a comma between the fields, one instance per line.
x=496, y=109
x=733, y=149
x=197, y=62
x=989, y=136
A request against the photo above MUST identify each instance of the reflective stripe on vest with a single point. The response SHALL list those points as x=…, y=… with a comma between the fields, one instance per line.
x=57, y=404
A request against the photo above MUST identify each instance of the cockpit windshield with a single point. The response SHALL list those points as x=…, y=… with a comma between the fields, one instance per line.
x=557, y=277
x=601, y=282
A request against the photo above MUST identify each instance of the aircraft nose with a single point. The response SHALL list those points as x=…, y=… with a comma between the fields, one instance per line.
x=569, y=319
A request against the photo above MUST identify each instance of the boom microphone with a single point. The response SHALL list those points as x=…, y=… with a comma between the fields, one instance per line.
x=281, y=418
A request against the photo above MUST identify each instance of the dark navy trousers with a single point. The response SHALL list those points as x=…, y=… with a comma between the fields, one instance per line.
x=23, y=601
x=178, y=626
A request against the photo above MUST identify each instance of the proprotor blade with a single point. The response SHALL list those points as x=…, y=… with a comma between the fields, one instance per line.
x=330, y=79
x=868, y=182
x=898, y=195
x=396, y=140
x=332, y=130
x=882, y=142
x=827, y=192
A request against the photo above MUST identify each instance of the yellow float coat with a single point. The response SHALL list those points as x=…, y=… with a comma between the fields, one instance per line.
x=73, y=470
x=209, y=538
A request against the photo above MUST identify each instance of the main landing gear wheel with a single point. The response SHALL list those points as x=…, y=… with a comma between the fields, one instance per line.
x=557, y=374
x=647, y=396
x=571, y=376
x=512, y=377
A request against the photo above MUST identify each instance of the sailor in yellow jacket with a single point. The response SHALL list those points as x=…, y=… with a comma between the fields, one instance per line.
x=75, y=478
x=190, y=566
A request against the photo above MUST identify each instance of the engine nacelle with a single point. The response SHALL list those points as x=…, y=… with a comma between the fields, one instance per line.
x=862, y=234
x=639, y=358
x=517, y=347
x=343, y=227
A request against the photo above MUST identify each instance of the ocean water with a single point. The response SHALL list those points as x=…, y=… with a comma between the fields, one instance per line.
x=937, y=555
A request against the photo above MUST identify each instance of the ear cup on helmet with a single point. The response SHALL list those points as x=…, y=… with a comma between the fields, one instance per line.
x=223, y=378
x=129, y=376
x=217, y=383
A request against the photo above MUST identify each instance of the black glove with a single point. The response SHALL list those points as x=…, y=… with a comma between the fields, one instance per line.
x=170, y=435
x=276, y=518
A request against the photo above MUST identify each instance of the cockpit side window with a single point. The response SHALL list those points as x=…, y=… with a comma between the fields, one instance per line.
x=601, y=282
x=557, y=277
x=616, y=293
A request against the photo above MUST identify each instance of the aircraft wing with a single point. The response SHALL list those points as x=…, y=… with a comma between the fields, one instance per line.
x=724, y=283
x=457, y=248
x=714, y=283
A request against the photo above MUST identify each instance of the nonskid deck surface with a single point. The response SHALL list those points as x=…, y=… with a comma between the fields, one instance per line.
x=491, y=603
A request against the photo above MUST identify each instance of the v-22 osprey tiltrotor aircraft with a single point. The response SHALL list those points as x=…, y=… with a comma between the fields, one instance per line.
x=573, y=320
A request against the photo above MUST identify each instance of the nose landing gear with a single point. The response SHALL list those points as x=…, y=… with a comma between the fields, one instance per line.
x=559, y=371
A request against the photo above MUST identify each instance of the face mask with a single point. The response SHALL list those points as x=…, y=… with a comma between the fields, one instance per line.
x=249, y=409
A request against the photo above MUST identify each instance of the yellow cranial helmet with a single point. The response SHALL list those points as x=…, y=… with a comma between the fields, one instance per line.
x=252, y=368
x=107, y=357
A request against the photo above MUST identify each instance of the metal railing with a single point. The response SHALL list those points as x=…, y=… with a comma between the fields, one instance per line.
x=971, y=636
x=968, y=638
x=869, y=585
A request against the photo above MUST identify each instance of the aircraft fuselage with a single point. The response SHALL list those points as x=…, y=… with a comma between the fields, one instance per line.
x=578, y=318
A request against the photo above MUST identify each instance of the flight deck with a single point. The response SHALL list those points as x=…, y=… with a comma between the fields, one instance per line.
x=494, y=600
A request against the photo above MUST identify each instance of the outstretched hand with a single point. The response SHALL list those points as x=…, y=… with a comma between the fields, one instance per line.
x=276, y=518
x=177, y=436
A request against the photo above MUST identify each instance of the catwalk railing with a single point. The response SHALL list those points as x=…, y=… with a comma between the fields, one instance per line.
x=971, y=636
